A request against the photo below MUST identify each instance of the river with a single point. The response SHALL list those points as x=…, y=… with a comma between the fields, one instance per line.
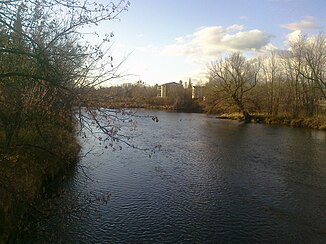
x=212, y=181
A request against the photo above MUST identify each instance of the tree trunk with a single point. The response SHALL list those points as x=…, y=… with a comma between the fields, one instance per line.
x=246, y=114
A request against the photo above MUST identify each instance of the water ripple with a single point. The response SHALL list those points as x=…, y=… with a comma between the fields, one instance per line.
x=213, y=182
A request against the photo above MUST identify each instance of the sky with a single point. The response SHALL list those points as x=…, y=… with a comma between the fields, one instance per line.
x=164, y=41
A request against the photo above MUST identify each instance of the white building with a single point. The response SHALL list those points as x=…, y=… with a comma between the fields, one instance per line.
x=167, y=89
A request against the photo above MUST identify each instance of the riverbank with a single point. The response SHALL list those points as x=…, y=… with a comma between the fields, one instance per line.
x=156, y=103
x=27, y=170
x=198, y=106
x=299, y=122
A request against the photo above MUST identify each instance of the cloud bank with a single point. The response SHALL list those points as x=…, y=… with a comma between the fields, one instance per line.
x=297, y=29
x=212, y=41
x=308, y=22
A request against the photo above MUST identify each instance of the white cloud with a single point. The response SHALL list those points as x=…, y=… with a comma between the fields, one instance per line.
x=208, y=36
x=293, y=36
x=208, y=42
x=183, y=39
x=253, y=40
x=179, y=39
x=268, y=49
x=234, y=28
x=148, y=49
x=309, y=22
x=296, y=35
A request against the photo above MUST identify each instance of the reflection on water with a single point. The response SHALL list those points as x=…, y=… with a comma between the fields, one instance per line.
x=212, y=181
x=318, y=135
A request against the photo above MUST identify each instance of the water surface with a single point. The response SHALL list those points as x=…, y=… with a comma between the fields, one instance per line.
x=213, y=181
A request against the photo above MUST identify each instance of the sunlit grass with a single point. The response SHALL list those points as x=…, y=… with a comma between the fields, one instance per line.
x=317, y=122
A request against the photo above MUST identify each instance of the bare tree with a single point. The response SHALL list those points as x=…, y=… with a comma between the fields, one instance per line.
x=233, y=78
x=46, y=65
x=272, y=76
x=46, y=71
x=292, y=85
x=305, y=67
x=314, y=53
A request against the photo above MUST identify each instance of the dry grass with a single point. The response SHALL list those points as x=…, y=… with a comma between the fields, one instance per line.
x=318, y=122
x=25, y=170
x=232, y=116
x=300, y=122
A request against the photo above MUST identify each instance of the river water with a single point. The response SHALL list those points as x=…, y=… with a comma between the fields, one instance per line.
x=212, y=181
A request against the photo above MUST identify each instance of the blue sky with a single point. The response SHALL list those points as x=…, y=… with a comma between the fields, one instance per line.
x=172, y=40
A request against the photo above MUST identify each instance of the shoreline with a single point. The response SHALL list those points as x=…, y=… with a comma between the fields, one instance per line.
x=318, y=123
x=31, y=172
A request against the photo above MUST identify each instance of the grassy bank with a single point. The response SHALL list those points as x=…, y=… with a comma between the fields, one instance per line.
x=300, y=122
x=27, y=170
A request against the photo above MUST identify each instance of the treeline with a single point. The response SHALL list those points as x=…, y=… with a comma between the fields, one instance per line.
x=139, y=95
x=287, y=84
x=45, y=69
